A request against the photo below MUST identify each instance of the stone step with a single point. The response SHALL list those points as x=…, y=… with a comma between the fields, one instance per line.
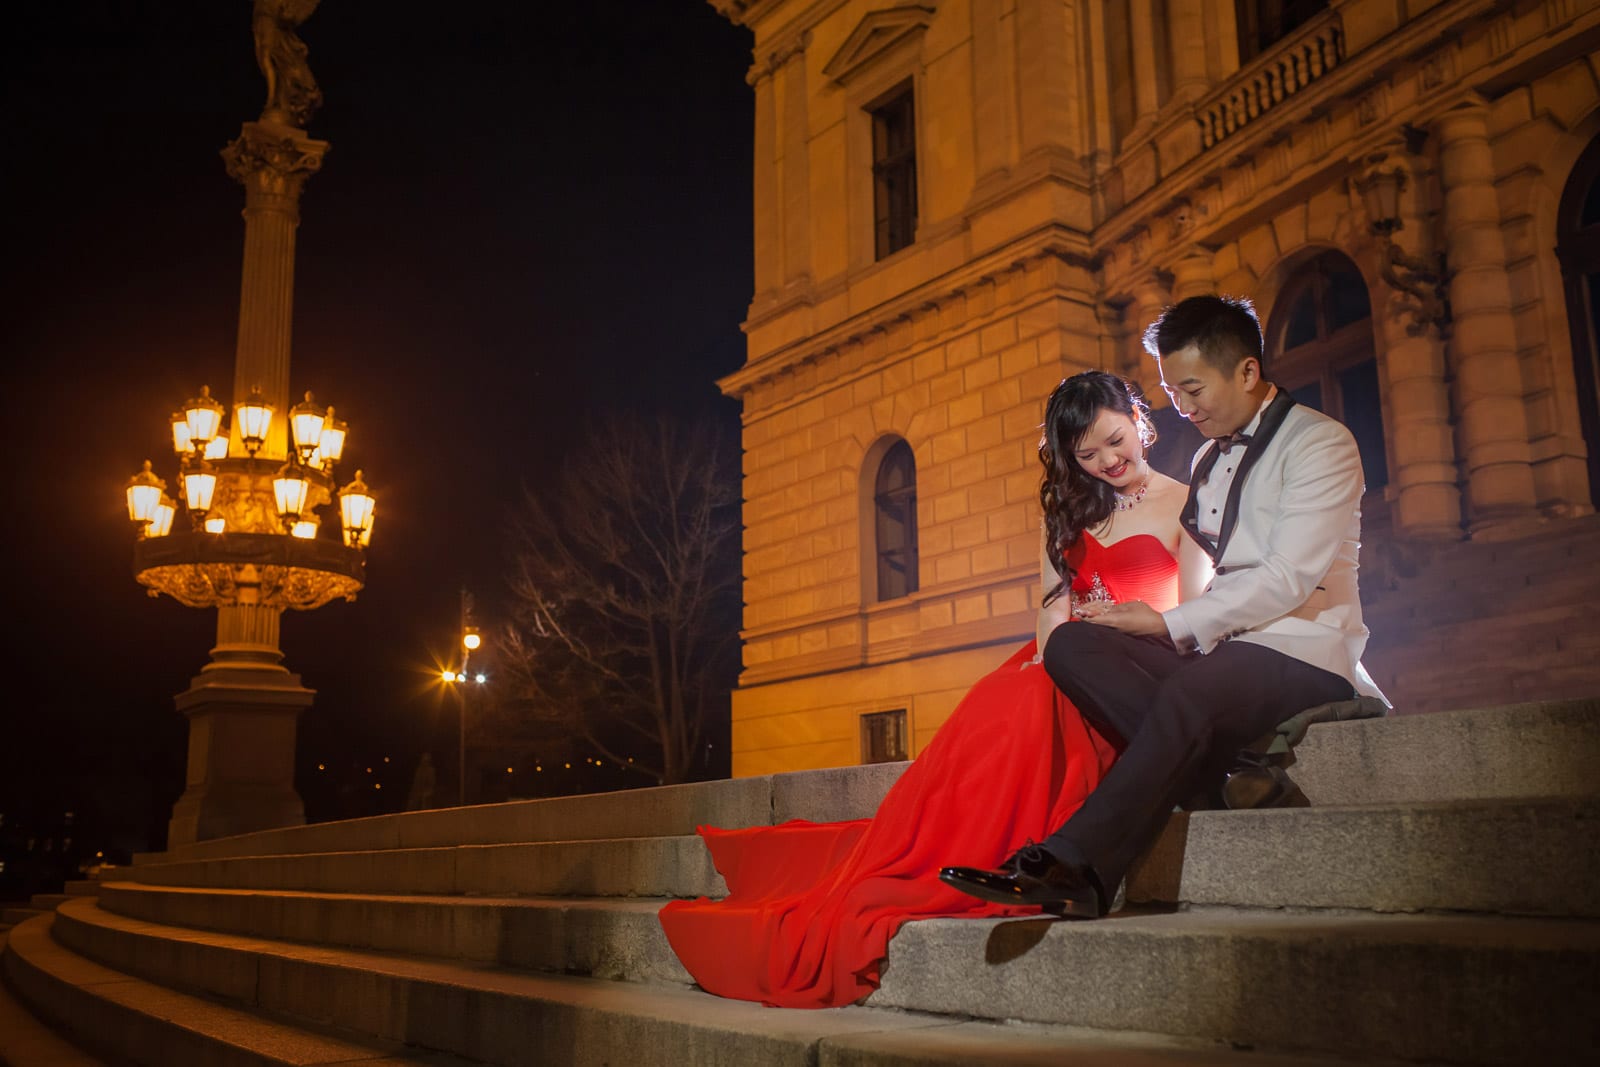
x=130, y=1020
x=620, y=867
x=503, y=1017
x=1463, y=990
x=82, y=887
x=49, y=901
x=1475, y=855
x=1532, y=749
x=21, y=914
x=617, y=938
x=1536, y=857
x=27, y=1042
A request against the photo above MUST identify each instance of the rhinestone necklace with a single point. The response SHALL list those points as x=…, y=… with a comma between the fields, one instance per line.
x=1125, y=501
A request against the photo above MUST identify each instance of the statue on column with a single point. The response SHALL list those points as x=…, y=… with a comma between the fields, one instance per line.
x=292, y=93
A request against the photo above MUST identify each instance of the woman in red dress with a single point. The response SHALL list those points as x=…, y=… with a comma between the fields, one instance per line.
x=811, y=906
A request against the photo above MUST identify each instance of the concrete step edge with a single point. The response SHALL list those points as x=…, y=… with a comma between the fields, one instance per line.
x=1519, y=856
x=821, y=796
x=26, y=1041
x=508, y=1007
x=130, y=1019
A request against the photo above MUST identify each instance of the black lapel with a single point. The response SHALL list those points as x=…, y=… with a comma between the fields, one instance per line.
x=1271, y=419
x=1189, y=518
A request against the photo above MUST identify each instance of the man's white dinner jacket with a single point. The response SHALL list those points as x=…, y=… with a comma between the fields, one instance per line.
x=1290, y=540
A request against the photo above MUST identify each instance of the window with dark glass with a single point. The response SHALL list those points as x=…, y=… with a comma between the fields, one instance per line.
x=1578, y=249
x=894, y=172
x=1263, y=23
x=895, y=522
x=1319, y=348
x=883, y=736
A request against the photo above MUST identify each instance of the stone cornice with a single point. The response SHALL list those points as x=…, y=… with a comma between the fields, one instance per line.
x=1052, y=243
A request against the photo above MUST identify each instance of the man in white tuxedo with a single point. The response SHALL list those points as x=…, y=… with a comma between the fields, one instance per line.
x=1274, y=506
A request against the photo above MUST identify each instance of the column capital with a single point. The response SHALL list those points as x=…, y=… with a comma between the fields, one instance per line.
x=272, y=162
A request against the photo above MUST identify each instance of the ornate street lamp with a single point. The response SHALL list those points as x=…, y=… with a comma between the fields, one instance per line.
x=253, y=546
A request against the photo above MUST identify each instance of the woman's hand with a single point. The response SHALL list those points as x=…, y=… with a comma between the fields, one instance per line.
x=1134, y=617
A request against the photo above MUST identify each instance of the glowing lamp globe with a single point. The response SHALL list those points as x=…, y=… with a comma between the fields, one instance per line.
x=144, y=494
x=181, y=442
x=198, y=488
x=161, y=521
x=290, y=488
x=331, y=444
x=204, y=418
x=355, y=511
x=253, y=418
x=306, y=420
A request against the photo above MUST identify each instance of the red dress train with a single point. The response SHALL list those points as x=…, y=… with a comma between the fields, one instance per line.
x=811, y=906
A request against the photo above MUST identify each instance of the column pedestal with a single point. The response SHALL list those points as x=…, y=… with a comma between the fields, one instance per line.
x=243, y=710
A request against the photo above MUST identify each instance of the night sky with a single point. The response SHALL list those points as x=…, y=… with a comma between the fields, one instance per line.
x=530, y=214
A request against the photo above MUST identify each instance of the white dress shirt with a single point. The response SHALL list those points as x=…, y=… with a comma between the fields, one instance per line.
x=1210, y=500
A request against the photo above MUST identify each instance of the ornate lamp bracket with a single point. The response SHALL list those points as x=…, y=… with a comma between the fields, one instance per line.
x=1422, y=281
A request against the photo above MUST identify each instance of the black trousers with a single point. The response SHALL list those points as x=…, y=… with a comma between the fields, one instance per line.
x=1183, y=718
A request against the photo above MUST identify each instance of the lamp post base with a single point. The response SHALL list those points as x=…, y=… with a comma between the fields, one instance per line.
x=242, y=724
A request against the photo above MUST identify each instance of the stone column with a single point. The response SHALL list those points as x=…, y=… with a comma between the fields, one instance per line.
x=244, y=706
x=1147, y=63
x=272, y=162
x=994, y=98
x=1150, y=298
x=1187, y=42
x=1049, y=109
x=1427, y=497
x=1491, y=419
x=1192, y=275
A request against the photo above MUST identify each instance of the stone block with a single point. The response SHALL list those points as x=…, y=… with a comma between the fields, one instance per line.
x=833, y=795
x=1420, y=987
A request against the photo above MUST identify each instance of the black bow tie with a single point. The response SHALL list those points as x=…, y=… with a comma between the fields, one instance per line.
x=1225, y=444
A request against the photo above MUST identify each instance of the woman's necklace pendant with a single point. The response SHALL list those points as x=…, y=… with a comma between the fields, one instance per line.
x=1124, y=501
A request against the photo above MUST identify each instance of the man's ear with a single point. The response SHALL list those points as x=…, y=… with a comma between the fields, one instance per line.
x=1250, y=372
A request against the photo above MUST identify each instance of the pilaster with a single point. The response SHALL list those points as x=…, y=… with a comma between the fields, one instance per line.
x=1492, y=422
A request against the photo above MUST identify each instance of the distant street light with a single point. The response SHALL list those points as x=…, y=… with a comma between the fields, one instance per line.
x=471, y=641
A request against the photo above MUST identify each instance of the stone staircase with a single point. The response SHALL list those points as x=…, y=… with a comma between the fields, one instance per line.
x=1438, y=903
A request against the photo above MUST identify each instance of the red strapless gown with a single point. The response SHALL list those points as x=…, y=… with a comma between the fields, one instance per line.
x=811, y=906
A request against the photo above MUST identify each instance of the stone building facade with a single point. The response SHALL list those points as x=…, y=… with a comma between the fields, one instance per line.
x=959, y=202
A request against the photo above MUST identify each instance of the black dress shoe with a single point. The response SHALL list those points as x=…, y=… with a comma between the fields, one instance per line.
x=1267, y=786
x=1033, y=876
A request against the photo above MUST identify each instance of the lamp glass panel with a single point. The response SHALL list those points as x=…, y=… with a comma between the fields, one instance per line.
x=216, y=524
x=161, y=520
x=305, y=529
x=143, y=501
x=307, y=426
x=291, y=492
x=198, y=488
x=217, y=447
x=204, y=420
x=331, y=444
x=181, y=442
x=254, y=420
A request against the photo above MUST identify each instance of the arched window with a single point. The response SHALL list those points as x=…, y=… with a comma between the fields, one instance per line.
x=1578, y=248
x=1319, y=347
x=895, y=522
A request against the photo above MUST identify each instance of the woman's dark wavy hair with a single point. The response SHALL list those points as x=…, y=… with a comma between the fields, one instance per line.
x=1074, y=500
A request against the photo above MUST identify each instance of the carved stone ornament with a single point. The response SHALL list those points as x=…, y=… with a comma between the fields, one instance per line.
x=277, y=165
x=876, y=33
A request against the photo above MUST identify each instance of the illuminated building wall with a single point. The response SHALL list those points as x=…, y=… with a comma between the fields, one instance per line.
x=957, y=203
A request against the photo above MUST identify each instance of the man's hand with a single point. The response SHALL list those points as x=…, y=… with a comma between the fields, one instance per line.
x=1135, y=617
